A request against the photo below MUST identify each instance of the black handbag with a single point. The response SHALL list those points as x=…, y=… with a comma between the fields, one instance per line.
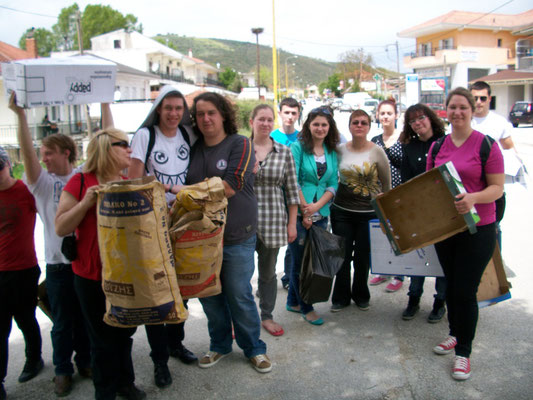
x=68, y=245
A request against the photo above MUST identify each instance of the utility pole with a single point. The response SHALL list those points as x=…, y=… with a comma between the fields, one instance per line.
x=274, y=58
x=256, y=32
x=399, y=77
x=80, y=45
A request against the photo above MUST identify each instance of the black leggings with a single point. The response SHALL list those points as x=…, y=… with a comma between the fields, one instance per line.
x=463, y=258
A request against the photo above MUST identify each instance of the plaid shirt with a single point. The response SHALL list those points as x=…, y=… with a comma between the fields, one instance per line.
x=275, y=176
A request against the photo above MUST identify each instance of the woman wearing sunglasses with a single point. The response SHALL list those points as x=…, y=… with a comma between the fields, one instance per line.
x=387, y=114
x=108, y=154
x=422, y=127
x=315, y=158
x=364, y=173
x=464, y=256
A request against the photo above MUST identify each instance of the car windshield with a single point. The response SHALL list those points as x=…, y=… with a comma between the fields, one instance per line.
x=520, y=107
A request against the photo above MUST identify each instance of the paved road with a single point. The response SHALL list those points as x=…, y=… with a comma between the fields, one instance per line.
x=355, y=354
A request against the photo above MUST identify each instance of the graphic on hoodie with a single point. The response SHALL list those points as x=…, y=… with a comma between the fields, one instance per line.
x=169, y=158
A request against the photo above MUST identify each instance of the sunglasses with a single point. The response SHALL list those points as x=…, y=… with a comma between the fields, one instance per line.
x=122, y=143
x=482, y=98
x=320, y=110
x=356, y=122
x=417, y=119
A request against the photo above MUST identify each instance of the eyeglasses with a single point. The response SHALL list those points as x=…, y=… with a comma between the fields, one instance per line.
x=356, y=122
x=420, y=118
x=482, y=98
x=122, y=144
x=320, y=110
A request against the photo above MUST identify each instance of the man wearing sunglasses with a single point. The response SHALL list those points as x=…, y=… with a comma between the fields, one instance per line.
x=58, y=153
x=488, y=122
x=161, y=148
x=494, y=125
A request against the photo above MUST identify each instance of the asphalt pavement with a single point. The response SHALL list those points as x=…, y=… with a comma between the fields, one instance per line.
x=356, y=354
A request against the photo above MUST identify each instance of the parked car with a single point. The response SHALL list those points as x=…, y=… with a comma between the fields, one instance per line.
x=370, y=106
x=440, y=110
x=336, y=103
x=345, y=107
x=521, y=113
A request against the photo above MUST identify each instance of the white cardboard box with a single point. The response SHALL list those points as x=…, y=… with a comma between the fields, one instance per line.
x=383, y=261
x=42, y=82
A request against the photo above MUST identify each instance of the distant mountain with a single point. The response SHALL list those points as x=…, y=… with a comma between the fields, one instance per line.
x=241, y=56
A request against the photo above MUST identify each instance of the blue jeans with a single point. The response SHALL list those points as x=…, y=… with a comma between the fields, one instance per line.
x=68, y=332
x=416, y=287
x=235, y=304
x=287, y=266
x=297, y=251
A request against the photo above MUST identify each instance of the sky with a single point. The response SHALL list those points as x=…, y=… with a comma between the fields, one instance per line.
x=320, y=29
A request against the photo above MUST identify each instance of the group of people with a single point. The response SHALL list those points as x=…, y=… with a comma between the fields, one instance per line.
x=278, y=184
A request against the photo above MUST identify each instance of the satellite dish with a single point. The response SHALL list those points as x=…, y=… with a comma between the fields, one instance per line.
x=155, y=67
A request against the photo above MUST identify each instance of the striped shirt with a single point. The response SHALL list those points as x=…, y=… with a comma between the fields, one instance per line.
x=276, y=176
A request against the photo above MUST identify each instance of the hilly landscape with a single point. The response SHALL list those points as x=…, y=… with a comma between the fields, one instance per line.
x=241, y=56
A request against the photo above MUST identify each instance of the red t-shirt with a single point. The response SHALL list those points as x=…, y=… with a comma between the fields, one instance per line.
x=87, y=264
x=17, y=225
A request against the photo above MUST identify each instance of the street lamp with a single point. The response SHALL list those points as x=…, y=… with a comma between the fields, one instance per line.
x=286, y=75
x=256, y=32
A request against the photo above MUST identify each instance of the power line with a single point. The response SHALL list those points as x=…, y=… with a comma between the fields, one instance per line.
x=28, y=12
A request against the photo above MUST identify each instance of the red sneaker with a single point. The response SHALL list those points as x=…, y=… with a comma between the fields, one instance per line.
x=461, y=368
x=446, y=346
x=378, y=280
x=394, y=285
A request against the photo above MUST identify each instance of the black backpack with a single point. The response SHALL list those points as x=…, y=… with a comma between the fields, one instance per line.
x=484, y=153
x=151, y=142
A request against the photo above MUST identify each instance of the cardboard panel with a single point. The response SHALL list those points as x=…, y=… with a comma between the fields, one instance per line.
x=421, y=211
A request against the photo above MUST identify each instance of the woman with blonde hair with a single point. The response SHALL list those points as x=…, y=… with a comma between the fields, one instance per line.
x=108, y=154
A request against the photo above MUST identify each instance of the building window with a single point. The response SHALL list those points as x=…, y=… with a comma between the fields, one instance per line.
x=499, y=43
x=116, y=44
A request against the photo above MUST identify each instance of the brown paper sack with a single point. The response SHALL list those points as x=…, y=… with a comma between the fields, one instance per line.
x=198, y=218
x=138, y=275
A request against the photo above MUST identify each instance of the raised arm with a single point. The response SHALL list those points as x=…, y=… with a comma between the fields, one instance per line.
x=107, y=116
x=32, y=167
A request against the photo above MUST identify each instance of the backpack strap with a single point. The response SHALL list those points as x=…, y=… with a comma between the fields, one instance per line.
x=151, y=142
x=185, y=135
x=81, y=184
x=436, y=147
x=484, y=153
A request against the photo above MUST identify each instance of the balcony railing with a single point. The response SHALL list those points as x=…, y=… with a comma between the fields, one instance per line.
x=8, y=133
x=213, y=82
x=425, y=53
x=175, y=78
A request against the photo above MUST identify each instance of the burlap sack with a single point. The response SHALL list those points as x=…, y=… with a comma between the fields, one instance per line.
x=138, y=275
x=198, y=219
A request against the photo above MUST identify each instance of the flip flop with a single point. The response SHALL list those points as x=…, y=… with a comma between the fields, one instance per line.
x=275, y=333
x=319, y=321
x=289, y=308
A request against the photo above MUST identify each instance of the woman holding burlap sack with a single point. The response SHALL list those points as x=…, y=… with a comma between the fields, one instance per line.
x=220, y=151
x=108, y=154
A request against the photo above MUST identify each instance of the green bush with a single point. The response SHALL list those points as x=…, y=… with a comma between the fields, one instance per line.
x=244, y=111
x=18, y=170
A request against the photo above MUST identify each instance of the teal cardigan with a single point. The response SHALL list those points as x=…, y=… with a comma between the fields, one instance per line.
x=308, y=180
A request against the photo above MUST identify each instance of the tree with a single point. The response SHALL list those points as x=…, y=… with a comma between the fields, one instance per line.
x=267, y=80
x=98, y=19
x=65, y=28
x=332, y=84
x=227, y=77
x=43, y=37
x=352, y=64
x=95, y=20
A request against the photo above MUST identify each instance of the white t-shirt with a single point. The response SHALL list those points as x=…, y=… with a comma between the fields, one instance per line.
x=169, y=159
x=493, y=125
x=47, y=191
